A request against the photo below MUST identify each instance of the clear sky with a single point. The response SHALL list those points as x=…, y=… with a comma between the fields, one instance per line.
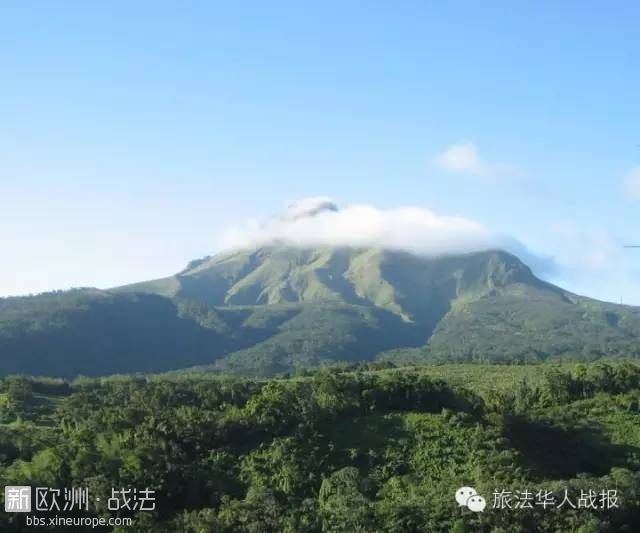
x=133, y=133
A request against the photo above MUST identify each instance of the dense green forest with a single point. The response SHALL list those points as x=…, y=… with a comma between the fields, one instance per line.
x=358, y=448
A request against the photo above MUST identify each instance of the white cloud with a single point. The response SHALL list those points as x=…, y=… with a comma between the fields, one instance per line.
x=318, y=222
x=465, y=158
x=462, y=157
x=631, y=183
x=581, y=260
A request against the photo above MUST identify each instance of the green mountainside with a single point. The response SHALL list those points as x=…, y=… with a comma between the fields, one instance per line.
x=279, y=309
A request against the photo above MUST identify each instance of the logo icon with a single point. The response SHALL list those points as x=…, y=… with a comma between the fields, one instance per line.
x=17, y=499
x=476, y=503
x=469, y=497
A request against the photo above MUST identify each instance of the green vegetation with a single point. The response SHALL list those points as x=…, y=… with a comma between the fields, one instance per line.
x=335, y=450
x=278, y=310
x=93, y=332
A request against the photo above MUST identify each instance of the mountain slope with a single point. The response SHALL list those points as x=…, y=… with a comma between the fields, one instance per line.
x=522, y=324
x=277, y=308
x=93, y=332
x=416, y=288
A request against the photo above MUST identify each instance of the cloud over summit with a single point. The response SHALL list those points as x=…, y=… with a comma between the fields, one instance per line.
x=319, y=222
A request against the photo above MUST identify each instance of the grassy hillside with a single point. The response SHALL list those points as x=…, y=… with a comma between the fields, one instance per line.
x=418, y=289
x=335, y=451
x=484, y=306
x=279, y=309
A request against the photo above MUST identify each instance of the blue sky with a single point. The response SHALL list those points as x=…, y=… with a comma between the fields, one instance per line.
x=133, y=133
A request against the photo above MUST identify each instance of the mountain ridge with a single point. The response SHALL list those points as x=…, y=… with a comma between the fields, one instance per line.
x=277, y=308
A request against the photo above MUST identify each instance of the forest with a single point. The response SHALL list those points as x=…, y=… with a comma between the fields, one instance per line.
x=360, y=448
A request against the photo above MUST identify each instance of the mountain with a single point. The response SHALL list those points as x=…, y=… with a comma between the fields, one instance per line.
x=277, y=309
